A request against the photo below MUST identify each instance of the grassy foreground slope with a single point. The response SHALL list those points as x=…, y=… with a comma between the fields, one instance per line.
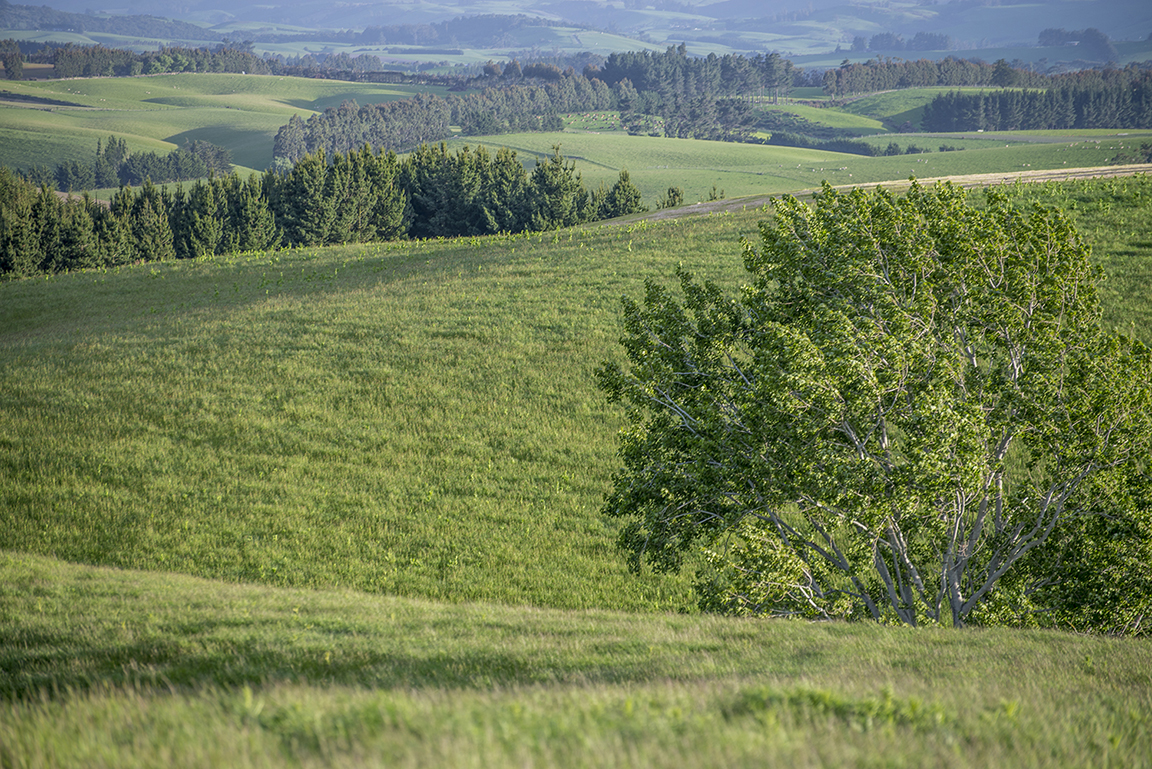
x=409, y=418
x=414, y=418
x=303, y=431
x=104, y=668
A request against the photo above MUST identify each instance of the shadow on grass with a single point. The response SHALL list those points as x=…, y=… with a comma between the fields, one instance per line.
x=37, y=665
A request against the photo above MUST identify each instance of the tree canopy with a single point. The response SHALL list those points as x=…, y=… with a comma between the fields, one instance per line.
x=910, y=413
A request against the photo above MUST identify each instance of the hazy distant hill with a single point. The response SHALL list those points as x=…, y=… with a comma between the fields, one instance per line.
x=144, y=25
x=795, y=27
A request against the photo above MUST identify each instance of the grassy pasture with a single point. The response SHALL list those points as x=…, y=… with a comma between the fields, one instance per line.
x=370, y=459
x=410, y=418
x=833, y=118
x=455, y=389
x=239, y=112
x=895, y=107
x=655, y=164
x=116, y=668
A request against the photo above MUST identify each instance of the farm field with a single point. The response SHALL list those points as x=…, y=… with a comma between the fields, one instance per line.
x=47, y=122
x=655, y=164
x=51, y=121
x=849, y=122
x=368, y=462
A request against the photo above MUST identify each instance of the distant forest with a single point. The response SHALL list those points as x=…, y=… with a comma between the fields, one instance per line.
x=1114, y=98
x=665, y=94
x=706, y=98
x=113, y=166
x=891, y=74
x=44, y=18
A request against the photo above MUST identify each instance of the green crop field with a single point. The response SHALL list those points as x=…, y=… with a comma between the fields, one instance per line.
x=330, y=481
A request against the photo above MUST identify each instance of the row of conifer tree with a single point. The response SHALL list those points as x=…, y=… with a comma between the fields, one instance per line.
x=1116, y=98
x=358, y=196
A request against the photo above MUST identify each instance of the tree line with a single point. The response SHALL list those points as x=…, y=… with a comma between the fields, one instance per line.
x=1114, y=98
x=663, y=94
x=403, y=124
x=1091, y=43
x=707, y=98
x=701, y=98
x=888, y=74
x=230, y=56
x=351, y=197
x=888, y=41
x=115, y=166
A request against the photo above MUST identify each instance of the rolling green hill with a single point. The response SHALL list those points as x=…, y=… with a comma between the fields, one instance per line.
x=412, y=418
x=48, y=122
x=55, y=120
x=368, y=460
x=655, y=164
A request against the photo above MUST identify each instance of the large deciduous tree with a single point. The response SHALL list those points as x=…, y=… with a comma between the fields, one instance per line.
x=911, y=413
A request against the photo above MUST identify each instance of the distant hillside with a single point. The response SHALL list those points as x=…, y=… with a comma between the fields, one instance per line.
x=973, y=22
x=47, y=19
x=990, y=29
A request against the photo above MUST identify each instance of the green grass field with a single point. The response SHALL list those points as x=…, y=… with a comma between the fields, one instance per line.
x=371, y=461
x=341, y=507
x=833, y=118
x=239, y=112
x=655, y=164
x=108, y=668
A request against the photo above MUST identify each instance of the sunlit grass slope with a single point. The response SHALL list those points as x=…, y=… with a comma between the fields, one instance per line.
x=239, y=112
x=370, y=459
x=108, y=668
x=414, y=419
x=655, y=164
x=411, y=418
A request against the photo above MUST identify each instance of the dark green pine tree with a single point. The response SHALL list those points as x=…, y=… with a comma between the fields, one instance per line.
x=151, y=232
x=387, y=217
x=251, y=224
x=346, y=196
x=622, y=199
x=204, y=214
x=20, y=250
x=46, y=227
x=115, y=242
x=77, y=247
x=309, y=210
x=559, y=198
x=505, y=187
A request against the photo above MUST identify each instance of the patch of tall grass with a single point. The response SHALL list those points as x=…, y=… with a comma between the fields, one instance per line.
x=115, y=668
x=412, y=418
